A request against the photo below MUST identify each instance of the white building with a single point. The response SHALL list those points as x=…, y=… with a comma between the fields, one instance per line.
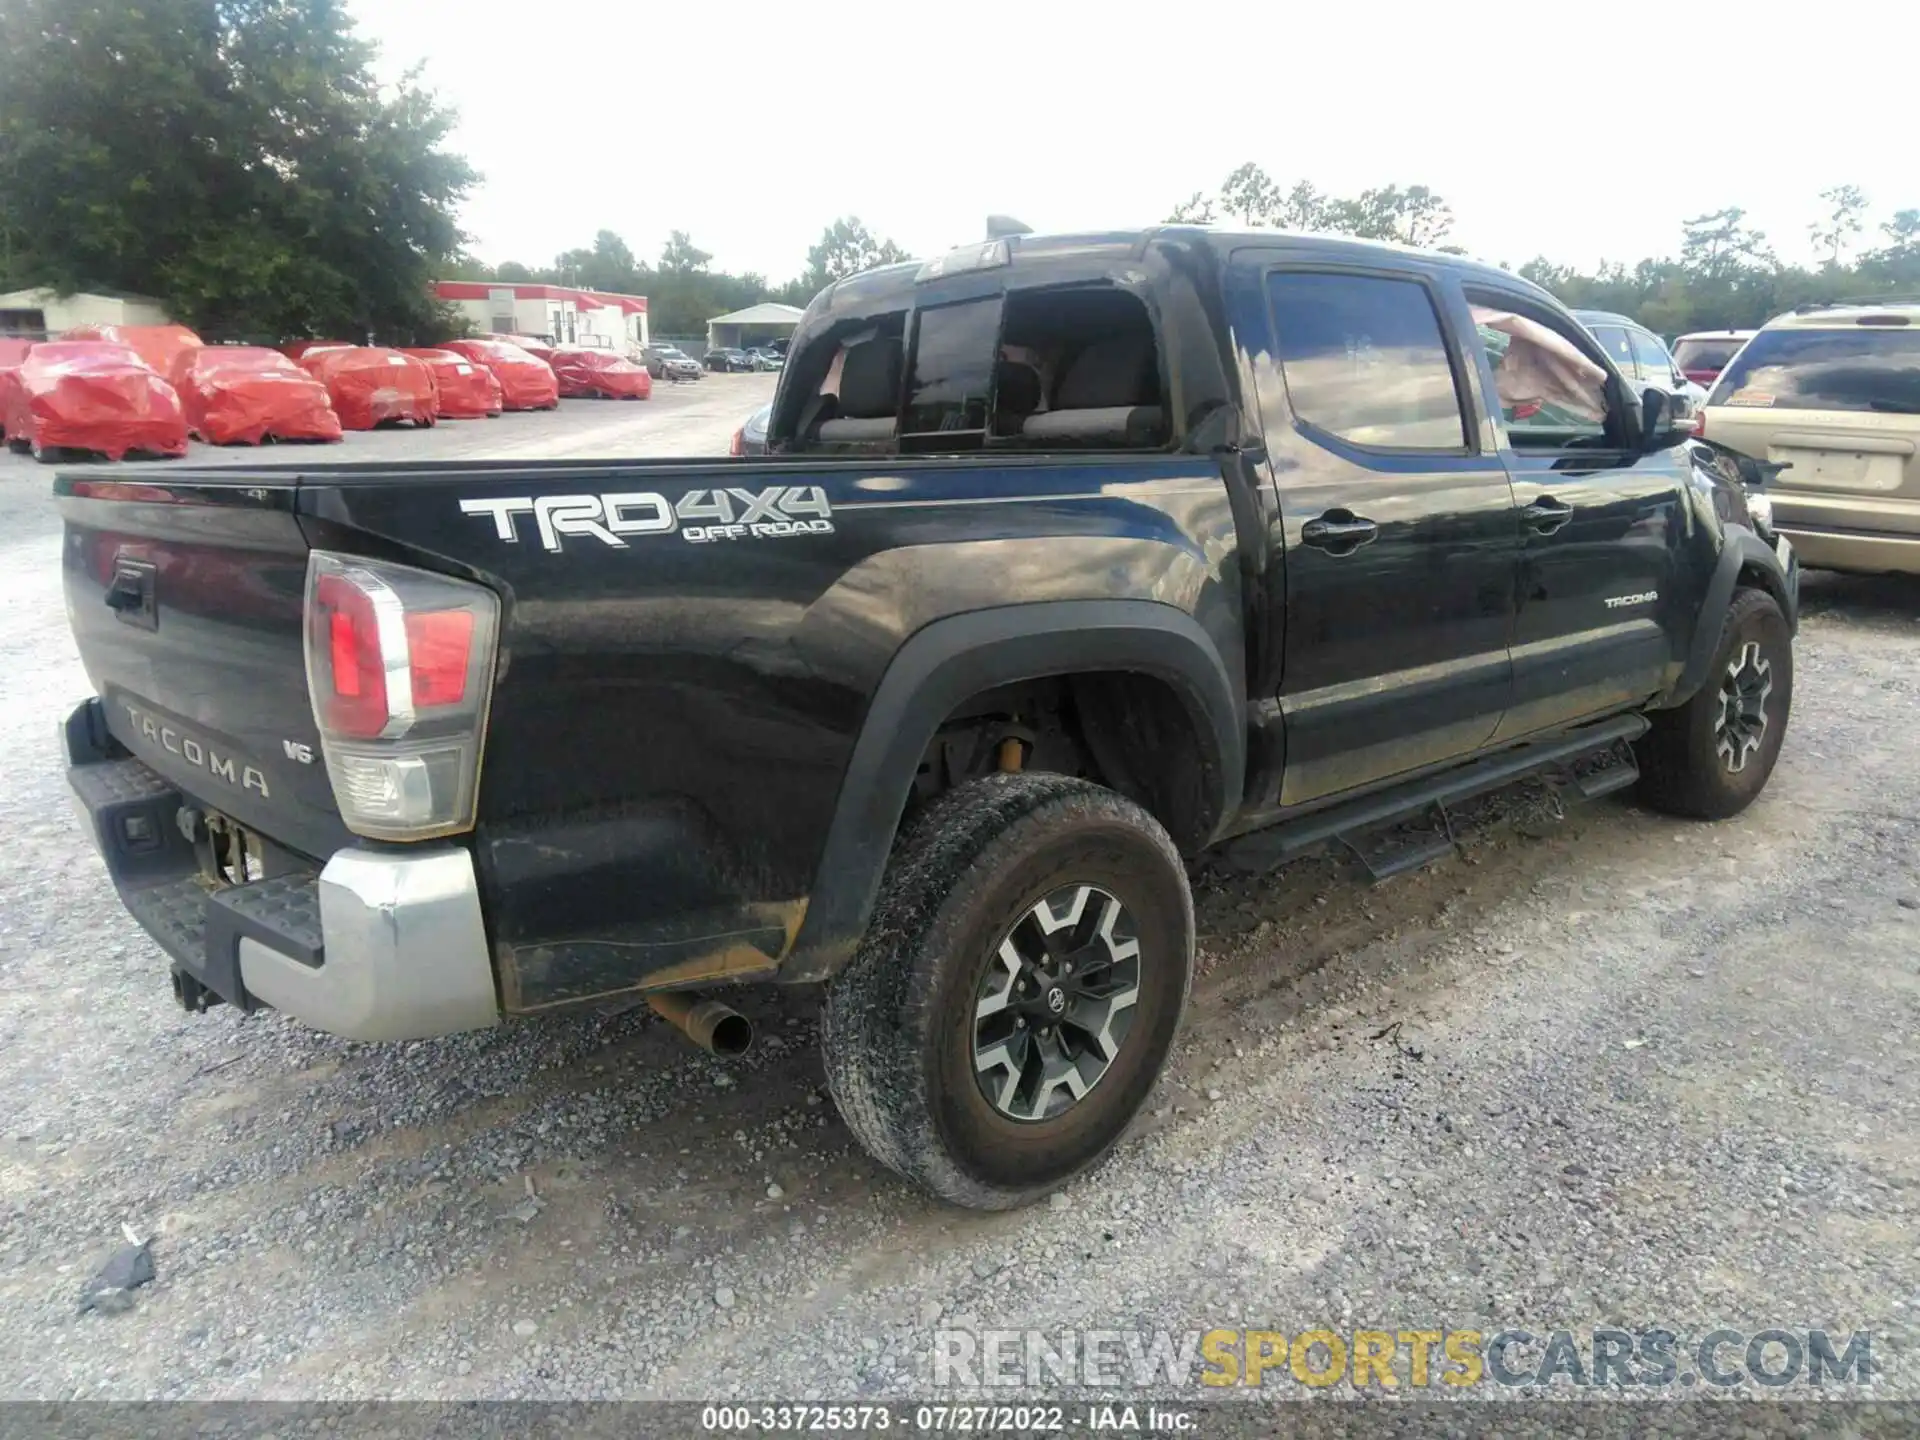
x=34, y=313
x=756, y=325
x=562, y=314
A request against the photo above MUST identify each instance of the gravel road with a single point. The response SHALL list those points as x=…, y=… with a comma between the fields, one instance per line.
x=1599, y=1068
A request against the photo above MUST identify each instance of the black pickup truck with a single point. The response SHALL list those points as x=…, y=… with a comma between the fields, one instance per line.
x=1071, y=558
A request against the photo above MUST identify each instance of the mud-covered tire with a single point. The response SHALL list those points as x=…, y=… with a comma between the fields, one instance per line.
x=1688, y=764
x=899, y=1028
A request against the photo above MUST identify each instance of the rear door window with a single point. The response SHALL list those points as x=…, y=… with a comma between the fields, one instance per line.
x=1656, y=366
x=1614, y=341
x=1365, y=360
x=1863, y=367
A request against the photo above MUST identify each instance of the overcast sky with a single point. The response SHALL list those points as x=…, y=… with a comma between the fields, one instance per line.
x=1581, y=131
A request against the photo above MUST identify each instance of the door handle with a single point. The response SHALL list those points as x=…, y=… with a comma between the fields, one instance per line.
x=1547, y=514
x=1339, y=532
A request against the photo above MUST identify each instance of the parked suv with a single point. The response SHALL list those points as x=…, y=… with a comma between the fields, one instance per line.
x=1833, y=393
x=1640, y=354
x=1071, y=559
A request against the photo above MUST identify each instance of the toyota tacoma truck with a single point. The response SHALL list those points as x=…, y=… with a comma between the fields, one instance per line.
x=1071, y=559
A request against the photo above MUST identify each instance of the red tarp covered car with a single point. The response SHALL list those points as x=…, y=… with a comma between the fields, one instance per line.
x=371, y=385
x=599, y=374
x=159, y=345
x=466, y=388
x=12, y=352
x=532, y=344
x=294, y=349
x=93, y=396
x=244, y=394
x=525, y=383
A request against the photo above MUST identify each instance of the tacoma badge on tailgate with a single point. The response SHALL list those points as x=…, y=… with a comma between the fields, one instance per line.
x=610, y=519
x=196, y=752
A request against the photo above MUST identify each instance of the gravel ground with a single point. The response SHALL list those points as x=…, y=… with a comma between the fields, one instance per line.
x=1601, y=1067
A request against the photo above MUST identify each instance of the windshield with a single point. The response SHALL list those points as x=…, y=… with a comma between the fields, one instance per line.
x=1706, y=354
x=1859, y=368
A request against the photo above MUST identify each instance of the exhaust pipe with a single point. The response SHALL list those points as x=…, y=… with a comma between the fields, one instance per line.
x=716, y=1028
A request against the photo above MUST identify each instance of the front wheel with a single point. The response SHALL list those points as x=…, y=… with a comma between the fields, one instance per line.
x=1018, y=989
x=1710, y=758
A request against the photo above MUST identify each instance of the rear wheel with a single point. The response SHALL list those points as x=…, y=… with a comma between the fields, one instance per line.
x=1710, y=758
x=1018, y=989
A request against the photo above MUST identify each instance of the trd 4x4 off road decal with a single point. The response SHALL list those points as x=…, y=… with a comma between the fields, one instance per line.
x=730, y=514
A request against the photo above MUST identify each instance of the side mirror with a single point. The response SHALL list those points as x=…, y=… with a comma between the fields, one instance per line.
x=1666, y=419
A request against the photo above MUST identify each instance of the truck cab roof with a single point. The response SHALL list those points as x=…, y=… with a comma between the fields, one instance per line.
x=1028, y=309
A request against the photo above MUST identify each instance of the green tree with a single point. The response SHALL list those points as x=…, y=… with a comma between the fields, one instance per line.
x=846, y=248
x=607, y=264
x=1250, y=195
x=235, y=159
x=1721, y=244
x=1847, y=206
x=681, y=256
x=1304, y=208
x=1410, y=216
x=1196, y=209
x=1902, y=232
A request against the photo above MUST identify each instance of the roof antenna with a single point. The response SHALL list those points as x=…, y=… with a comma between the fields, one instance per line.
x=999, y=227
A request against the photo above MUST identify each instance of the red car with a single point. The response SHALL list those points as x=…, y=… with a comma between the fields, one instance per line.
x=12, y=354
x=161, y=346
x=92, y=396
x=532, y=344
x=466, y=388
x=525, y=383
x=298, y=349
x=246, y=394
x=371, y=385
x=599, y=374
x=1702, y=355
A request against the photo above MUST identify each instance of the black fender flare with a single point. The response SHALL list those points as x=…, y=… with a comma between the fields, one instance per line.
x=1743, y=552
x=949, y=661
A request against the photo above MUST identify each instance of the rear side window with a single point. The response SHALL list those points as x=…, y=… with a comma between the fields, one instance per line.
x=1860, y=368
x=1614, y=341
x=1655, y=364
x=952, y=380
x=1364, y=359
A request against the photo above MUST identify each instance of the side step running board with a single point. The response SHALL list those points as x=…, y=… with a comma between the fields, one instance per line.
x=1264, y=849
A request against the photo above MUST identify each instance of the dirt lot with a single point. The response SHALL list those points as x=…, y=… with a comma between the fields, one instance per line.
x=1600, y=1068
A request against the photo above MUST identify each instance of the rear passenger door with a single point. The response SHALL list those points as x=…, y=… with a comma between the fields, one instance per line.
x=1600, y=618
x=1399, y=528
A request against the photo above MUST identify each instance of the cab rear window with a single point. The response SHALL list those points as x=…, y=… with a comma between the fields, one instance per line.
x=1859, y=368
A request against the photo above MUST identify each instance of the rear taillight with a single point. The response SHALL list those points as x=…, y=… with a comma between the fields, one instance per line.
x=738, y=445
x=400, y=672
x=1699, y=424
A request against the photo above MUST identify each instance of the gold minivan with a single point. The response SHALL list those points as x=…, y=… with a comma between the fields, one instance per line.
x=1832, y=392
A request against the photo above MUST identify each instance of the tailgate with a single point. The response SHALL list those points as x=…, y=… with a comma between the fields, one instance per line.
x=185, y=600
